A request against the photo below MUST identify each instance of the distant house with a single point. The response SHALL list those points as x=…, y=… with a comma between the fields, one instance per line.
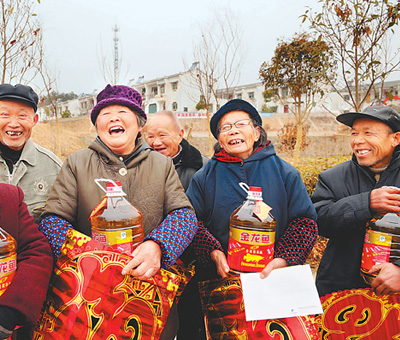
x=80, y=106
x=178, y=94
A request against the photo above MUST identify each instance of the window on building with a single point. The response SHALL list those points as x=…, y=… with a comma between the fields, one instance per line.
x=251, y=95
x=286, y=109
x=346, y=97
x=174, y=85
x=174, y=106
x=153, y=108
x=239, y=96
x=162, y=89
x=185, y=109
x=154, y=90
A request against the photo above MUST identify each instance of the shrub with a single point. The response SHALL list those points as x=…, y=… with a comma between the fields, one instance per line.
x=310, y=168
x=287, y=137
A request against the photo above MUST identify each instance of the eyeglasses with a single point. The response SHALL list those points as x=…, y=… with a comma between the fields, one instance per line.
x=240, y=124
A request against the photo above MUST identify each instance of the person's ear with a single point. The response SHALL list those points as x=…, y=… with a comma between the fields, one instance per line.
x=396, y=139
x=258, y=133
x=35, y=119
x=181, y=134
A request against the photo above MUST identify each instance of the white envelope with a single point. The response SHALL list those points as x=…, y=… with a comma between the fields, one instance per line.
x=286, y=292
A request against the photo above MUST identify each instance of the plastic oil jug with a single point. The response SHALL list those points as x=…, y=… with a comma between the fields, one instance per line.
x=8, y=259
x=381, y=243
x=251, y=234
x=118, y=224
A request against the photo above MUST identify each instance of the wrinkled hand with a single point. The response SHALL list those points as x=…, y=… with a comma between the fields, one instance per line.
x=221, y=262
x=385, y=199
x=277, y=262
x=388, y=279
x=146, y=261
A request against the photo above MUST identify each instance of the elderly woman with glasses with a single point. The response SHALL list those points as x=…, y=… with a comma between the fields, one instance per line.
x=244, y=154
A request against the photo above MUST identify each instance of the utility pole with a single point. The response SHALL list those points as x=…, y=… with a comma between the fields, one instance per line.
x=116, y=56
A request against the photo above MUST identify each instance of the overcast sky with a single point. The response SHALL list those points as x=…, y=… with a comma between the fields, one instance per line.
x=155, y=36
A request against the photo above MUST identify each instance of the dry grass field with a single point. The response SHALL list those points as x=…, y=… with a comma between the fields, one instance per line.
x=74, y=134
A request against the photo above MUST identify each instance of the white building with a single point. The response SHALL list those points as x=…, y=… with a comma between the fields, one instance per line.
x=178, y=94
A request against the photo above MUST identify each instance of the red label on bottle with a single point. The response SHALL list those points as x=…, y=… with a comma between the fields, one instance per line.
x=250, y=251
x=8, y=266
x=376, y=249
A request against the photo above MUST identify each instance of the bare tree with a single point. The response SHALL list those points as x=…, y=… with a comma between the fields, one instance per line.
x=218, y=59
x=355, y=31
x=48, y=81
x=20, y=32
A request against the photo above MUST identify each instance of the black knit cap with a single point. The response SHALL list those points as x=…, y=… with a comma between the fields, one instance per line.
x=21, y=93
x=233, y=105
x=384, y=114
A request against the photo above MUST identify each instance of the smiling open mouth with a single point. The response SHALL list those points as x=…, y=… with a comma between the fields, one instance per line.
x=362, y=152
x=236, y=141
x=116, y=130
x=14, y=133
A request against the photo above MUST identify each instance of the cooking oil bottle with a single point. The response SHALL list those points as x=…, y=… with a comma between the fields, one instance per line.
x=381, y=243
x=117, y=223
x=8, y=259
x=251, y=234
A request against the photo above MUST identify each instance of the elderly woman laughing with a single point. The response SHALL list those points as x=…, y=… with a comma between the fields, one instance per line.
x=244, y=154
x=149, y=179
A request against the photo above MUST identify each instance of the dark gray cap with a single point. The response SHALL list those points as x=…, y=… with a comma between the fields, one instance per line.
x=384, y=114
x=21, y=93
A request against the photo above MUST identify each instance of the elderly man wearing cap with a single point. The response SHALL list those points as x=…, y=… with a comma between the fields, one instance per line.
x=24, y=163
x=149, y=179
x=350, y=194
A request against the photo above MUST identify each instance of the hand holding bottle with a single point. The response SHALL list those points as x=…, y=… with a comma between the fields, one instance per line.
x=385, y=199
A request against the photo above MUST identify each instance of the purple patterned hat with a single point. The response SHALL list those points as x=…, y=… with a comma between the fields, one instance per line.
x=118, y=95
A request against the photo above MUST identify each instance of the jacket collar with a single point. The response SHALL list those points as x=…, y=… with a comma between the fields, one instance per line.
x=28, y=153
x=110, y=157
x=189, y=156
x=260, y=153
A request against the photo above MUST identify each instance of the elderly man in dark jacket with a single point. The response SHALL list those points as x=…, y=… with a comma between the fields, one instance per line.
x=350, y=194
x=164, y=134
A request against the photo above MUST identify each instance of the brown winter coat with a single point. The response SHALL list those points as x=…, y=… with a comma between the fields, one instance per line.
x=149, y=180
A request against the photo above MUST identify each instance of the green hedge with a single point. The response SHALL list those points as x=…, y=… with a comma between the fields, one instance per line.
x=310, y=168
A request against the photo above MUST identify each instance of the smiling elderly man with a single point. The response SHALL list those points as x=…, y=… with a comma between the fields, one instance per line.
x=22, y=162
x=164, y=135
x=350, y=194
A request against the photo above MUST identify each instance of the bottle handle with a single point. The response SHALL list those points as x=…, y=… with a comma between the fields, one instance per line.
x=245, y=187
x=99, y=180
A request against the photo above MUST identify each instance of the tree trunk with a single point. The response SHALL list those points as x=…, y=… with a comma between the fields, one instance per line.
x=299, y=139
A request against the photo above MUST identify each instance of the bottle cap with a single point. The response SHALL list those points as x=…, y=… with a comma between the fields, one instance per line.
x=114, y=186
x=254, y=193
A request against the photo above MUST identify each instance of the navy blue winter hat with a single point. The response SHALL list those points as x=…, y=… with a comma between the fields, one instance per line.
x=21, y=93
x=233, y=105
